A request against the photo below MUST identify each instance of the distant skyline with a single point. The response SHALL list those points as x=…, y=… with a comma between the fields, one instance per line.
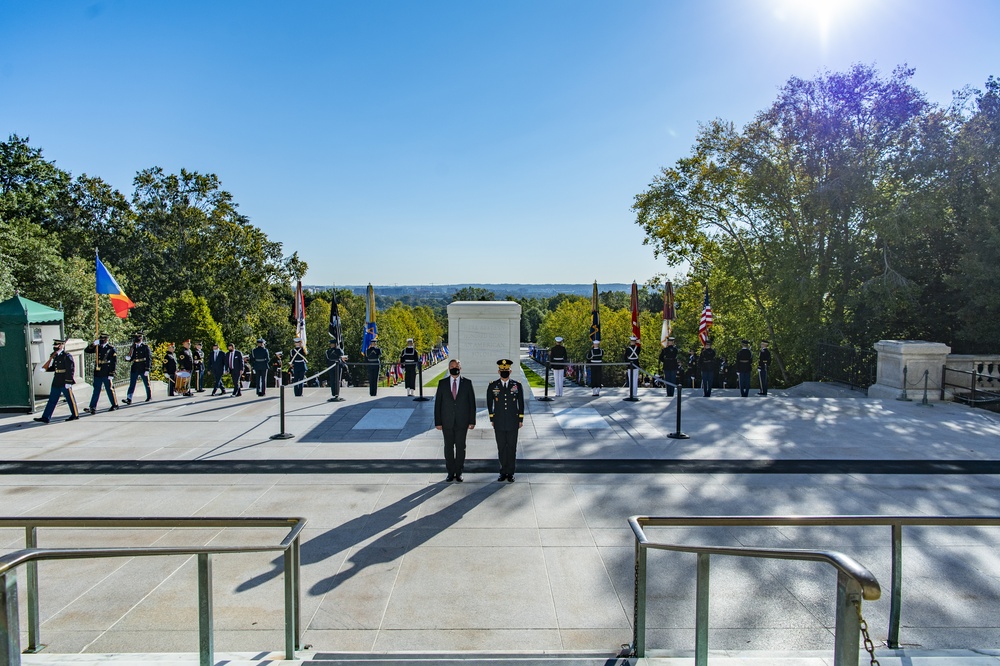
x=444, y=142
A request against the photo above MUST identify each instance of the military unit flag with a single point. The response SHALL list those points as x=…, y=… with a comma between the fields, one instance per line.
x=335, y=321
x=300, y=314
x=106, y=284
x=706, y=320
x=635, y=312
x=595, y=313
x=371, y=330
x=668, y=312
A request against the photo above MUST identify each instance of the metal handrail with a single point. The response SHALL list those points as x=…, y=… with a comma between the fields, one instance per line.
x=290, y=546
x=850, y=573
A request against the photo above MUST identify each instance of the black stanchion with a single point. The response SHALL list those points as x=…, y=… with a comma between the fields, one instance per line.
x=678, y=434
x=281, y=401
x=420, y=384
x=924, y=402
x=632, y=388
x=546, y=397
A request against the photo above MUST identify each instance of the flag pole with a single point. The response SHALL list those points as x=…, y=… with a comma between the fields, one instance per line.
x=97, y=299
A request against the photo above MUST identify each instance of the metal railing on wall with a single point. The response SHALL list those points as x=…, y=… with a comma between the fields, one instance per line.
x=854, y=581
x=974, y=388
x=10, y=635
x=858, y=368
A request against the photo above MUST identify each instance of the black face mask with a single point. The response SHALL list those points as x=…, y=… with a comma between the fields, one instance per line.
x=454, y=371
x=505, y=373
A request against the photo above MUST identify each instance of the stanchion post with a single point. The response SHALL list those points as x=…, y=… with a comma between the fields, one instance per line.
x=902, y=394
x=678, y=434
x=546, y=397
x=281, y=420
x=420, y=384
x=924, y=402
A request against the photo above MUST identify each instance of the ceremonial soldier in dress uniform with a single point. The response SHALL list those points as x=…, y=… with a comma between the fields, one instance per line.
x=595, y=356
x=631, y=356
x=505, y=403
x=185, y=363
x=142, y=362
x=707, y=366
x=217, y=361
x=64, y=368
x=199, y=368
x=763, y=364
x=260, y=359
x=235, y=365
x=668, y=359
x=170, y=368
x=374, y=356
x=744, y=361
x=335, y=359
x=297, y=358
x=277, y=369
x=558, y=358
x=409, y=359
x=105, y=364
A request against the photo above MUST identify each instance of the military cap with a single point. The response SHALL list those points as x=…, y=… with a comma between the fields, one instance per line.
x=103, y=335
x=671, y=339
x=744, y=342
x=260, y=341
x=597, y=342
x=505, y=363
x=58, y=342
x=764, y=342
x=332, y=341
x=559, y=338
x=277, y=353
x=297, y=340
x=632, y=337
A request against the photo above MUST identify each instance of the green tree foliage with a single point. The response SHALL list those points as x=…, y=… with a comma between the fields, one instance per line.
x=187, y=316
x=795, y=211
x=473, y=294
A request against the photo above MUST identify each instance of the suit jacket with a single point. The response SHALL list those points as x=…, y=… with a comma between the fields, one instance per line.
x=505, y=405
x=457, y=412
x=237, y=364
x=218, y=359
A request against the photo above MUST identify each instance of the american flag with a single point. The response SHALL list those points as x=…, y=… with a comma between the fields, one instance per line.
x=706, y=321
x=300, y=314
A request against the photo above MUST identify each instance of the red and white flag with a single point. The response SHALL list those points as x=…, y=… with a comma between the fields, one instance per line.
x=705, y=322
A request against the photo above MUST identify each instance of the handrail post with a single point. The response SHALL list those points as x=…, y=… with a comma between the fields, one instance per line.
x=902, y=394
x=10, y=631
x=678, y=434
x=924, y=402
x=206, y=640
x=34, y=624
x=639, y=621
x=896, y=593
x=297, y=558
x=289, y=604
x=701, y=612
x=420, y=383
x=281, y=407
x=546, y=397
x=846, y=642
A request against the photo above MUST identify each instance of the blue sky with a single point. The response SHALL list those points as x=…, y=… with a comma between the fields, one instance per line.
x=443, y=142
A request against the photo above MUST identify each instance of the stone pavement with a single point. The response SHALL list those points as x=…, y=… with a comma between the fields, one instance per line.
x=396, y=560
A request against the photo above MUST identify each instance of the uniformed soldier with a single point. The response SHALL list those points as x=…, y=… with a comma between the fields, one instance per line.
x=707, y=367
x=409, y=359
x=763, y=365
x=297, y=358
x=63, y=368
x=105, y=364
x=277, y=369
x=631, y=357
x=142, y=362
x=335, y=359
x=558, y=359
x=374, y=356
x=668, y=360
x=744, y=362
x=170, y=368
x=505, y=403
x=185, y=363
x=595, y=356
x=199, y=368
x=260, y=359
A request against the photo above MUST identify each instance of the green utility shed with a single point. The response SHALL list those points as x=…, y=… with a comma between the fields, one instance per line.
x=25, y=327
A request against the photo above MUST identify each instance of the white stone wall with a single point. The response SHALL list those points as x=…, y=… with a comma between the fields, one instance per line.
x=482, y=332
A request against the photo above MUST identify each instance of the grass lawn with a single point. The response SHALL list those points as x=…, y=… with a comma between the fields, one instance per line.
x=535, y=380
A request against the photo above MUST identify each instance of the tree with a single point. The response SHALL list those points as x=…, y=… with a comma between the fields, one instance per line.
x=473, y=294
x=186, y=316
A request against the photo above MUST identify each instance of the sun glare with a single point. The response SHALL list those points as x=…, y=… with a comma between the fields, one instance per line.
x=821, y=15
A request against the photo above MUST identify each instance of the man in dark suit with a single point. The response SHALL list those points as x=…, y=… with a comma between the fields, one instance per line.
x=455, y=416
x=505, y=403
x=217, y=360
x=234, y=361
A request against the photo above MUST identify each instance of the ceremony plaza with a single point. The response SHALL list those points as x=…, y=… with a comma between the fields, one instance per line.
x=398, y=566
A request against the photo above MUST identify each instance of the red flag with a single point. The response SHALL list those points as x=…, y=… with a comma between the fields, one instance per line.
x=668, y=312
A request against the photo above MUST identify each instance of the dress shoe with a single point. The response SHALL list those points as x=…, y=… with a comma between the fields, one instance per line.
x=458, y=477
x=41, y=420
x=127, y=401
x=200, y=391
x=73, y=418
x=189, y=395
x=502, y=477
x=112, y=408
x=88, y=410
x=149, y=398
x=214, y=392
x=510, y=478
x=450, y=478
